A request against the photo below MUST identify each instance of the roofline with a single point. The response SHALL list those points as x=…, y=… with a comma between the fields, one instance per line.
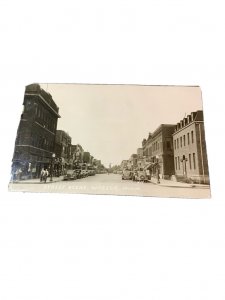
x=161, y=126
x=186, y=126
x=42, y=98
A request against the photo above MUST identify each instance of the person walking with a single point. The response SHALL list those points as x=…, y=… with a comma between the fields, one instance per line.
x=42, y=174
x=46, y=175
x=158, y=176
x=19, y=174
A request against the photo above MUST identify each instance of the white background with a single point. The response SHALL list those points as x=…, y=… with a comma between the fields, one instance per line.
x=96, y=247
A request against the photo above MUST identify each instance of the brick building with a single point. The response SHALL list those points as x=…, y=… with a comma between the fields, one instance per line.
x=34, y=145
x=63, y=150
x=77, y=153
x=86, y=157
x=147, y=146
x=158, y=148
x=190, y=157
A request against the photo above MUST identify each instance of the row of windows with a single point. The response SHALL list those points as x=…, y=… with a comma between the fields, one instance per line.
x=42, y=143
x=148, y=152
x=155, y=146
x=181, y=142
x=45, y=117
x=191, y=161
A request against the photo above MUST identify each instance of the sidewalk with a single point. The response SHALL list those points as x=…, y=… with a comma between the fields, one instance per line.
x=177, y=184
x=37, y=180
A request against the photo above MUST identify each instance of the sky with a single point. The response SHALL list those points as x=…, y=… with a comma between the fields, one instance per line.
x=110, y=121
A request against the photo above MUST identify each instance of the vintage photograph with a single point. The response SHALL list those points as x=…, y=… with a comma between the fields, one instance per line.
x=134, y=140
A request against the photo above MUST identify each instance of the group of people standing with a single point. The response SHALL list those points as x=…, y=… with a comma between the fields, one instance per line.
x=44, y=175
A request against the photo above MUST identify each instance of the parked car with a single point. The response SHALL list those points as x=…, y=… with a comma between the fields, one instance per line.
x=140, y=175
x=91, y=172
x=78, y=173
x=83, y=173
x=70, y=175
x=127, y=175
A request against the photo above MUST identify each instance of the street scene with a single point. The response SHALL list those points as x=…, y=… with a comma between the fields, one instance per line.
x=112, y=140
x=113, y=185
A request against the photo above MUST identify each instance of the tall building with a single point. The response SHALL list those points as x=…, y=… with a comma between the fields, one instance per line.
x=190, y=157
x=34, y=145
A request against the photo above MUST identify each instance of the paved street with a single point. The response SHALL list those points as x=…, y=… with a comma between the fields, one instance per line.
x=112, y=184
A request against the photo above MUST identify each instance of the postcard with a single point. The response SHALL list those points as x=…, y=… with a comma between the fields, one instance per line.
x=136, y=140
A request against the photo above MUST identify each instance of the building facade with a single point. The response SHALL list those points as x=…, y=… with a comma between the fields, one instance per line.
x=162, y=149
x=62, y=151
x=147, y=146
x=132, y=162
x=34, y=145
x=124, y=164
x=190, y=156
x=77, y=154
x=158, y=149
x=87, y=157
x=140, y=152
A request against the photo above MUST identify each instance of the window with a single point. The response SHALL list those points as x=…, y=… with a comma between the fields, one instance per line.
x=190, y=161
x=192, y=136
x=188, y=138
x=178, y=162
x=184, y=140
x=194, y=163
x=181, y=141
x=177, y=143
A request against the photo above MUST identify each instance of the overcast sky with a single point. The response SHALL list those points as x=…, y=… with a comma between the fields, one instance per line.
x=110, y=121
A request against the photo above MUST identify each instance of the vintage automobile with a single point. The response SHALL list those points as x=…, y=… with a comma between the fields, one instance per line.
x=91, y=172
x=70, y=175
x=140, y=175
x=127, y=175
x=78, y=173
x=83, y=173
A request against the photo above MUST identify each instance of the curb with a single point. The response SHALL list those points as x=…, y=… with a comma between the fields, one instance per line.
x=37, y=182
x=183, y=187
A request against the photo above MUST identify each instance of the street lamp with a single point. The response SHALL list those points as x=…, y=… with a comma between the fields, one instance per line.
x=53, y=156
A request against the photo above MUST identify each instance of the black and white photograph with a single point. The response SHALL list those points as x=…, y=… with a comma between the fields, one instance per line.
x=112, y=139
x=135, y=140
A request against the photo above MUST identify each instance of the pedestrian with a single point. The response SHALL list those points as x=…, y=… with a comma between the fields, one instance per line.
x=42, y=174
x=158, y=176
x=46, y=174
x=19, y=174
